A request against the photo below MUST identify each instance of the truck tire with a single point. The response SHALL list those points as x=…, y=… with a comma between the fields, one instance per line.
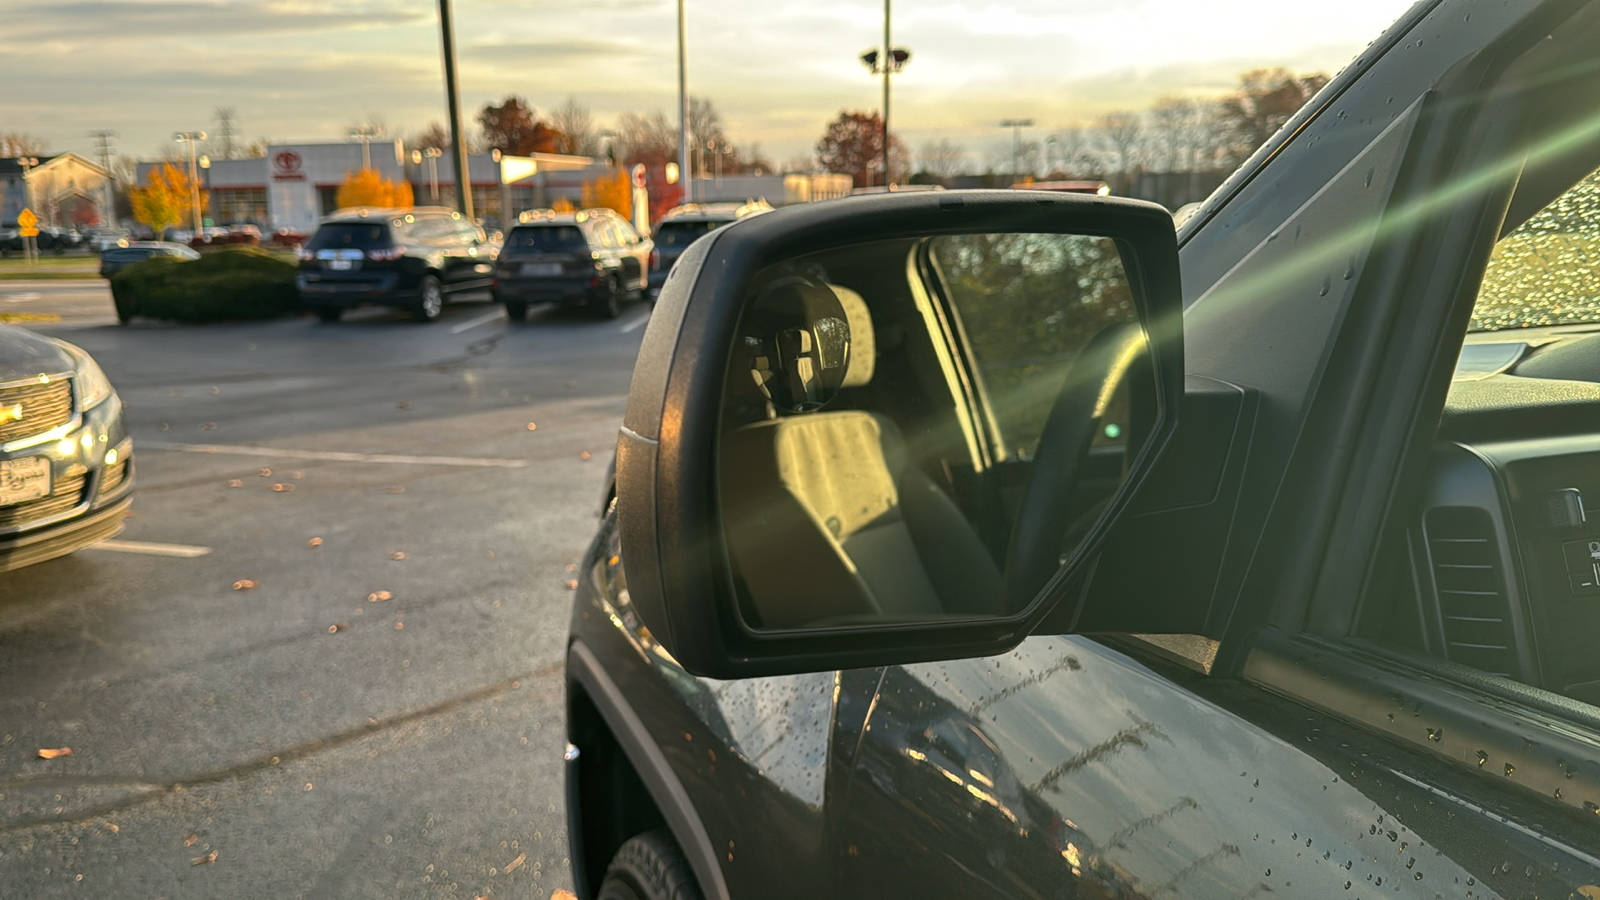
x=649, y=866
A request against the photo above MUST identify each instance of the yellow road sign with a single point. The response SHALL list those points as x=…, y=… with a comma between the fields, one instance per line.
x=26, y=219
x=28, y=231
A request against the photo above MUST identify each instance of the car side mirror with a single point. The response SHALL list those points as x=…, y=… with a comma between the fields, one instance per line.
x=896, y=427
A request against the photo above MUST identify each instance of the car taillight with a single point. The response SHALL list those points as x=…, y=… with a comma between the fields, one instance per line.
x=655, y=260
x=389, y=255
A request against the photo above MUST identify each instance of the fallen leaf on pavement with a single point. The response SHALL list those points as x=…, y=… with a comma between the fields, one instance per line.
x=52, y=753
x=532, y=426
x=314, y=542
x=378, y=596
x=397, y=489
x=189, y=841
x=263, y=472
x=512, y=866
x=583, y=455
x=403, y=405
x=572, y=584
x=280, y=488
x=215, y=389
x=243, y=584
x=399, y=626
x=234, y=482
x=572, y=567
x=337, y=627
x=202, y=860
x=398, y=554
x=113, y=827
x=562, y=894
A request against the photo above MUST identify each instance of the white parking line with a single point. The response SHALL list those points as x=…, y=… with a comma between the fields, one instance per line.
x=183, y=551
x=338, y=455
x=23, y=297
x=637, y=322
x=484, y=319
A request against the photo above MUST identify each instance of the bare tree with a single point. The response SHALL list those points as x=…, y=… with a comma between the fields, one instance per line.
x=647, y=138
x=578, y=134
x=943, y=159
x=435, y=135
x=1122, y=133
x=15, y=143
x=1264, y=101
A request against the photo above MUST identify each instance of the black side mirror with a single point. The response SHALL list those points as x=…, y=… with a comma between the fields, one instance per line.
x=895, y=427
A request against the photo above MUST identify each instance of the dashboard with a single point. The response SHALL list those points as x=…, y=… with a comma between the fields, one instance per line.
x=1505, y=545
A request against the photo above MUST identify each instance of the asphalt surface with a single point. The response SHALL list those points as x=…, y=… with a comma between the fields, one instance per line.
x=319, y=740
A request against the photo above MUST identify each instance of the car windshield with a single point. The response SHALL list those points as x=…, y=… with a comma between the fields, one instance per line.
x=1542, y=271
x=357, y=235
x=682, y=234
x=546, y=238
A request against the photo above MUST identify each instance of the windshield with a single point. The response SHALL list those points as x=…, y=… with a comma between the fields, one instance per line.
x=356, y=235
x=547, y=239
x=1543, y=271
x=682, y=234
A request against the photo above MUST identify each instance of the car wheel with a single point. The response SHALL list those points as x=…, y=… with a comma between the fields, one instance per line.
x=649, y=867
x=329, y=313
x=608, y=303
x=516, y=310
x=430, y=300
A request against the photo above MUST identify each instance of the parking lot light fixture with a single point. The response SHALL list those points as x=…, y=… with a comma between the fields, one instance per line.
x=193, y=138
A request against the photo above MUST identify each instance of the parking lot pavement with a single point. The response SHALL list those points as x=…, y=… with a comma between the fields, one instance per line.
x=328, y=646
x=86, y=302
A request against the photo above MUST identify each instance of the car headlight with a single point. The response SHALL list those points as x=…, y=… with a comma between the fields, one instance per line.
x=91, y=384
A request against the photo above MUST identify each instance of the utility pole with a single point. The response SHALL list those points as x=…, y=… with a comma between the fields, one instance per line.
x=685, y=173
x=1016, y=126
x=458, y=140
x=102, y=142
x=225, y=130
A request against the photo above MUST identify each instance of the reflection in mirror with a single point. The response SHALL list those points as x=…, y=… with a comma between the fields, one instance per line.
x=925, y=428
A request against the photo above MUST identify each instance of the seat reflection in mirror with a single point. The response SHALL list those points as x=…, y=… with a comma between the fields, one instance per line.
x=866, y=474
x=800, y=367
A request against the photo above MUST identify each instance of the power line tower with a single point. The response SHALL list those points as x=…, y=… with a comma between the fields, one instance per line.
x=225, y=130
x=102, y=143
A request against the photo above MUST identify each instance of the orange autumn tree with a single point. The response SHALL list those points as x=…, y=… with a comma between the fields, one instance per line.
x=611, y=192
x=366, y=187
x=165, y=200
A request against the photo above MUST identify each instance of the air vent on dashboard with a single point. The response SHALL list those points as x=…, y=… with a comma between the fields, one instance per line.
x=1474, y=609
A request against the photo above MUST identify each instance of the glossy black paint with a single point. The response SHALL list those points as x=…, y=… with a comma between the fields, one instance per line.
x=1077, y=767
x=459, y=255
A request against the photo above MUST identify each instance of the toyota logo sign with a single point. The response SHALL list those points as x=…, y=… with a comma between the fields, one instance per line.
x=286, y=166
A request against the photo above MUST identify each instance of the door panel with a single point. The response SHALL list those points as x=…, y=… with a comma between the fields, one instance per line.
x=1067, y=769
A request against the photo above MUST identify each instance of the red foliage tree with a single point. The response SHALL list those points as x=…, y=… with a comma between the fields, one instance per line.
x=853, y=145
x=513, y=128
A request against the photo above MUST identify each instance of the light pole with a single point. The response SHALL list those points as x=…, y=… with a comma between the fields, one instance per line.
x=193, y=138
x=1016, y=126
x=458, y=138
x=365, y=134
x=432, y=154
x=683, y=108
x=886, y=60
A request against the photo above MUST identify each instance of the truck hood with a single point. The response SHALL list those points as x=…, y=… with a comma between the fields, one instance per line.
x=25, y=355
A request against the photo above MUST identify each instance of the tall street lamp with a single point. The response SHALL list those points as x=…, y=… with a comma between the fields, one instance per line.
x=432, y=155
x=886, y=60
x=683, y=108
x=458, y=138
x=365, y=134
x=193, y=138
x=1016, y=126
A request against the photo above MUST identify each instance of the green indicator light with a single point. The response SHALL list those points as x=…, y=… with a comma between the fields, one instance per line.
x=1113, y=431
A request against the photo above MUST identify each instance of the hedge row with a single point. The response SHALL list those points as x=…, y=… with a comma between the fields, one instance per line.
x=233, y=283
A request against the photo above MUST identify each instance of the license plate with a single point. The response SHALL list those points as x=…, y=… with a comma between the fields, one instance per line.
x=22, y=480
x=340, y=265
x=541, y=268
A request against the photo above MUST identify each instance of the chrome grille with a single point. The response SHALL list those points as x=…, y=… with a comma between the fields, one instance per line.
x=68, y=493
x=34, y=408
x=113, y=475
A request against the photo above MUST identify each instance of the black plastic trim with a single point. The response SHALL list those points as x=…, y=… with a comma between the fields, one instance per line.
x=652, y=767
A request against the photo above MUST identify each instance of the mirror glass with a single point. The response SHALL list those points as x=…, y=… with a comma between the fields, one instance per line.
x=927, y=427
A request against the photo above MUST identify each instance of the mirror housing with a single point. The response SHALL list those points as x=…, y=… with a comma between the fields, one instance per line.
x=673, y=549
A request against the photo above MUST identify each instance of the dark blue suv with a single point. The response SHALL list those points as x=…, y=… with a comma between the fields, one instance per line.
x=412, y=259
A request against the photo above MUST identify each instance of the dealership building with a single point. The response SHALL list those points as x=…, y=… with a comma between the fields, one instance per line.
x=295, y=184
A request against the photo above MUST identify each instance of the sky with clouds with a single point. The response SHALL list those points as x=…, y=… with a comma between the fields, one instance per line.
x=778, y=71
